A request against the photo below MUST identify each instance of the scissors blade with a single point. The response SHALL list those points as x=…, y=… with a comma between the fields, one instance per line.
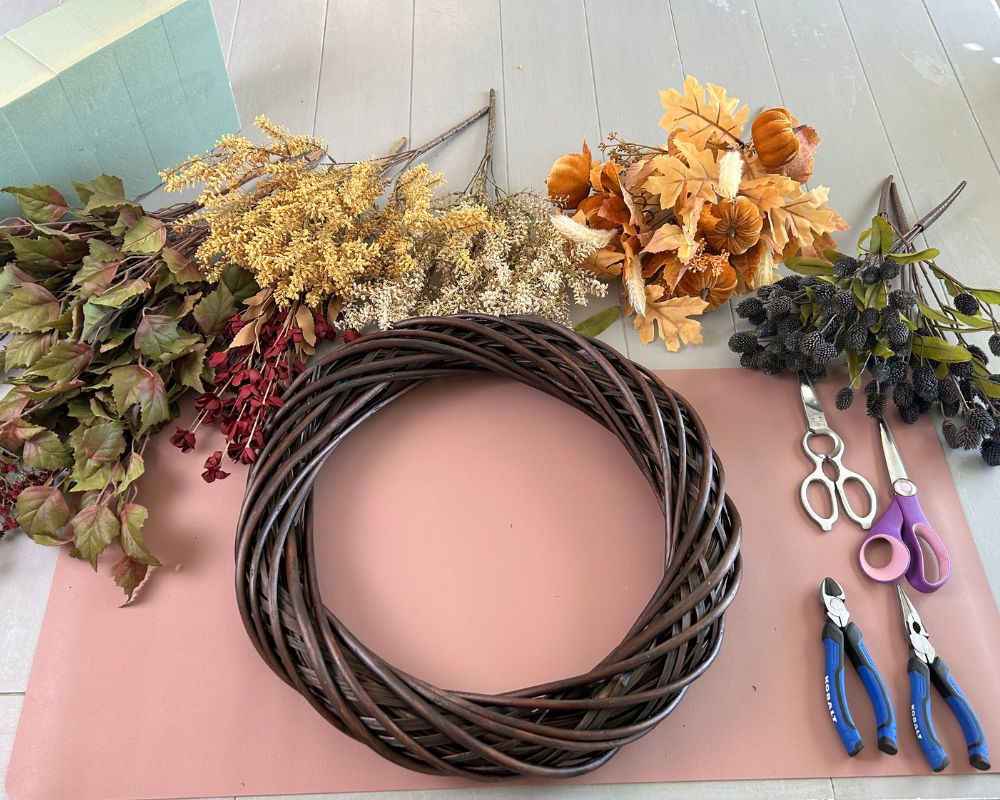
x=893, y=461
x=815, y=418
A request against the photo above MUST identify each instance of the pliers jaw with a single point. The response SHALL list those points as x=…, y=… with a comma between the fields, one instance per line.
x=916, y=633
x=833, y=601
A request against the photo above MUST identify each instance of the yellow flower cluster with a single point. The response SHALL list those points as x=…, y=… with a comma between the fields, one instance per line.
x=382, y=248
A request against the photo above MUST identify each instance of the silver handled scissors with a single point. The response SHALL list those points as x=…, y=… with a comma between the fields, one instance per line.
x=817, y=426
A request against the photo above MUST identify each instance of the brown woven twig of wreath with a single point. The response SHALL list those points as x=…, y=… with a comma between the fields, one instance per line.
x=558, y=729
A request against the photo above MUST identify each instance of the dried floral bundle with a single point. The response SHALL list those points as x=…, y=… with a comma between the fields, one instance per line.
x=107, y=324
x=352, y=245
x=703, y=217
x=902, y=323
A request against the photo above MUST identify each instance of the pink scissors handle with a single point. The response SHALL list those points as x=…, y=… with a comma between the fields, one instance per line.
x=904, y=526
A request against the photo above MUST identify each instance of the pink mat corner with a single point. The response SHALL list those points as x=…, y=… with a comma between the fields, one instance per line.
x=167, y=698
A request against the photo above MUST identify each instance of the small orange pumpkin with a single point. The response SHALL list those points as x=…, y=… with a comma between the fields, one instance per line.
x=715, y=285
x=737, y=226
x=774, y=137
x=569, y=179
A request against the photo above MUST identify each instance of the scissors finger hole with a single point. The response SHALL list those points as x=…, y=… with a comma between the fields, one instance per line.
x=879, y=553
x=820, y=444
x=931, y=565
x=857, y=496
x=820, y=498
x=874, y=562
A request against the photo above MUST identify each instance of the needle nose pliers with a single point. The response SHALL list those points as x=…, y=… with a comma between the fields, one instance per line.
x=927, y=669
x=840, y=635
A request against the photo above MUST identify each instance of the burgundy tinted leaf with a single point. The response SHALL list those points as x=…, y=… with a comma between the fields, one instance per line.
x=129, y=575
x=64, y=361
x=94, y=528
x=30, y=308
x=40, y=203
x=41, y=510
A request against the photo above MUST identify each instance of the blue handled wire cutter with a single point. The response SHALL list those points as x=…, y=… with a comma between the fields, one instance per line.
x=840, y=635
x=927, y=669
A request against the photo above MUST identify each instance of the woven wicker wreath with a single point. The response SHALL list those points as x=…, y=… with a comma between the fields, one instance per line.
x=560, y=729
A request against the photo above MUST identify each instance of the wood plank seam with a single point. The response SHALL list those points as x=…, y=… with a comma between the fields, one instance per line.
x=767, y=51
x=503, y=95
x=961, y=85
x=322, y=53
x=878, y=112
x=413, y=39
x=593, y=72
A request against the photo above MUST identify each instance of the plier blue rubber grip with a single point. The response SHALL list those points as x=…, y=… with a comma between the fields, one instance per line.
x=922, y=677
x=836, y=642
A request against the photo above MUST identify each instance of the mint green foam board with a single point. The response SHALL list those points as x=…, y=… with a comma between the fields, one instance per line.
x=103, y=108
x=45, y=125
x=116, y=18
x=15, y=168
x=154, y=85
x=21, y=71
x=201, y=65
x=57, y=39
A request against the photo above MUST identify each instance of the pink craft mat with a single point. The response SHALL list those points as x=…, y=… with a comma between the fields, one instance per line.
x=440, y=499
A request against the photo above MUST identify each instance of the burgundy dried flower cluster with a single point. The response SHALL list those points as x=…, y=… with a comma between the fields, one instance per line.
x=247, y=387
x=14, y=479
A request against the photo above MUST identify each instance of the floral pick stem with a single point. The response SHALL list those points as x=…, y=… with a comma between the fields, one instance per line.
x=413, y=155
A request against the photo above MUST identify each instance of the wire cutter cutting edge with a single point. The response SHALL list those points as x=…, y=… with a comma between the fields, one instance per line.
x=926, y=668
x=840, y=635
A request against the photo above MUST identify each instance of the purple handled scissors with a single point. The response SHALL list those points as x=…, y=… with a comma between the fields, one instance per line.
x=904, y=526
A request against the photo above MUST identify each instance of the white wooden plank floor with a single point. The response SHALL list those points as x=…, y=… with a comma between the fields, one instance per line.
x=908, y=87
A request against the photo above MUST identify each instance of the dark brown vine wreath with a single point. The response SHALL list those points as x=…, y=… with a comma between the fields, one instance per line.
x=558, y=729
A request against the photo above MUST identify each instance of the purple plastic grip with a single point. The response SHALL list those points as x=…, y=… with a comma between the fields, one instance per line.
x=915, y=529
x=887, y=528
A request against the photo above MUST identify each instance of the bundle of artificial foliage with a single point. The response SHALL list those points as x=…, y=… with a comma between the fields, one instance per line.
x=904, y=326
x=107, y=322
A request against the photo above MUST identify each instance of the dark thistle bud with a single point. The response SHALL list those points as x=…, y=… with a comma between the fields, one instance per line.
x=748, y=306
x=980, y=420
x=856, y=338
x=779, y=307
x=871, y=275
x=897, y=333
x=869, y=317
x=889, y=270
x=950, y=433
x=925, y=382
x=969, y=439
x=966, y=303
x=897, y=369
x=902, y=395
x=901, y=299
x=772, y=364
x=845, y=267
x=791, y=282
x=961, y=369
x=990, y=451
x=810, y=342
x=844, y=398
x=815, y=371
x=824, y=353
x=875, y=405
x=842, y=302
x=742, y=342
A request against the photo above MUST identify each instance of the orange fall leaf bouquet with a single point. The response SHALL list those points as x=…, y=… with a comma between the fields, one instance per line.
x=686, y=225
